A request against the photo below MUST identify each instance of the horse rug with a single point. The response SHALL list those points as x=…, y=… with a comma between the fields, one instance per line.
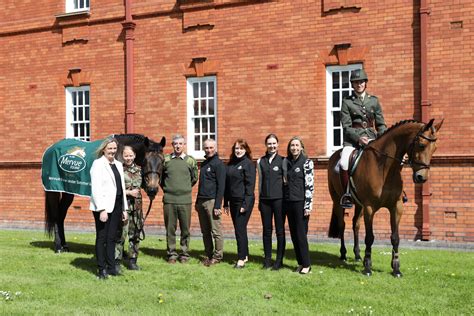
x=66, y=166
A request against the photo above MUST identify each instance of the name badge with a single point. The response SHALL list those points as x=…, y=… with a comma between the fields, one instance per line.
x=297, y=169
x=239, y=167
x=276, y=168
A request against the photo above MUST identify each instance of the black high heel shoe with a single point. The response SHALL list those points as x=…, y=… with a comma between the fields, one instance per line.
x=305, y=272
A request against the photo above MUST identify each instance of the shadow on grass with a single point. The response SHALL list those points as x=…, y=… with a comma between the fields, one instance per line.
x=73, y=247
x=86, y=264
x=195, y=254
x=318, y=258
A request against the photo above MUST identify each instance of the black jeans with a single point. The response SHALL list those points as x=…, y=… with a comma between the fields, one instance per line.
x=299, y=231
x=106, y=235
x=240, y=221
x=268, y=209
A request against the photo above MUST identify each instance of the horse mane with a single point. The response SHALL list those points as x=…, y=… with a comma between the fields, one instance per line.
x=398, y=124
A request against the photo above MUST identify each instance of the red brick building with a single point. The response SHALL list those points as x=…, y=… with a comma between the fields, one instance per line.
x=236, y=68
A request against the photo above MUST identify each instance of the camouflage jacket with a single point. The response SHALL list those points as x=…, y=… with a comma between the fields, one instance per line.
x=361, y=118
x=133, y=180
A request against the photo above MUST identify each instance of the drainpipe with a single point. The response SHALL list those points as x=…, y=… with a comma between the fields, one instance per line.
x=129, y=28
x=425, y=111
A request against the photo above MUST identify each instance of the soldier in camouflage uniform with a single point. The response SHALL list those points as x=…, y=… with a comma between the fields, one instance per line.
x=362, y=120
x=131, y=228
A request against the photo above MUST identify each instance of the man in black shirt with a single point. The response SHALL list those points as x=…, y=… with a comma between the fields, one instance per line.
x=208, y=204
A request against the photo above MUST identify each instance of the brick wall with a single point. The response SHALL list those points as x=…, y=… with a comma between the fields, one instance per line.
x=270, y=58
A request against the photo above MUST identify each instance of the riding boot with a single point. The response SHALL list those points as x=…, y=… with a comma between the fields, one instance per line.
x=132, y=264
x=346, y=199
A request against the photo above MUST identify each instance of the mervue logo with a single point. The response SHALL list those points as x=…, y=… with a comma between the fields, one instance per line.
x=73, y=161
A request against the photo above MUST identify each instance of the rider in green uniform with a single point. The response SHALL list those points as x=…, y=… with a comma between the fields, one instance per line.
x=362, y=120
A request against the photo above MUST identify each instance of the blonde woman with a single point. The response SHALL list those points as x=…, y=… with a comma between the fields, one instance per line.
x=298, y=180
x=108, y=204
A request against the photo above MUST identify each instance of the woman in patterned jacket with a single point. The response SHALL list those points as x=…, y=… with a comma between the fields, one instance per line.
x=298, y=188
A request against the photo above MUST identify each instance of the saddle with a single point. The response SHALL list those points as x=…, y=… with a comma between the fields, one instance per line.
x=354, y=159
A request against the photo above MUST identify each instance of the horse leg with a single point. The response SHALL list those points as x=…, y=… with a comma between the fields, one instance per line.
x=395, y=215
x=355, y=229
x=369, y=240
x=64, y=204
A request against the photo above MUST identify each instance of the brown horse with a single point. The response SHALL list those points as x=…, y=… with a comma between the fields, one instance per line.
x=149, y=156
x=378, y=183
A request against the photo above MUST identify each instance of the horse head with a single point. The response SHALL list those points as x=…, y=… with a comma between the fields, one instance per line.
x=421, y=150
x=153, y=166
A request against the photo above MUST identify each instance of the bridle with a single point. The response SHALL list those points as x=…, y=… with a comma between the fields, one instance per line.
x=411, y=149
x=411, y=162
x=140, y=226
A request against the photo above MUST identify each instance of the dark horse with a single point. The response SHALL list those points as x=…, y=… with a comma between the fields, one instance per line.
x=149, y=156
x=378, y=183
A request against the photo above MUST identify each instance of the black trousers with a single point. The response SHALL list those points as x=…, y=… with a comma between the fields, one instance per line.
x=273, y=209
x=240, y=221
x=299, y=231
x=106, y=235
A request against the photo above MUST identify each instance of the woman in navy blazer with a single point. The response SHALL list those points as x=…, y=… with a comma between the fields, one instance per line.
x=108, y=204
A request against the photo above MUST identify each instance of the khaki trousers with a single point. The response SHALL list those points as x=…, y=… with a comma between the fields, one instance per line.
x=211, y=229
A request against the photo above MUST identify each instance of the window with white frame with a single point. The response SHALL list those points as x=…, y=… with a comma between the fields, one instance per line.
x=78, y=113
x=338, y=86
x=202, y=113
x=77, y=5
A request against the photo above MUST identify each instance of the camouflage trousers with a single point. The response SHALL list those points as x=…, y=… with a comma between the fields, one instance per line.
x=131, y=229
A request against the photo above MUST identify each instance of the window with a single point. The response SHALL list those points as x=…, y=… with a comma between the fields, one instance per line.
x=337, y=87
x=202, y=111
x=78, y=113
x=77, y=5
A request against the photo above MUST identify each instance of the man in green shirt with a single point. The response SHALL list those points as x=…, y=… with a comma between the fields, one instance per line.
x=180, y=174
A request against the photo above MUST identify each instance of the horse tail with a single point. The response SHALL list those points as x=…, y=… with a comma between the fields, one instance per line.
x=51, y=211
x=334, y=231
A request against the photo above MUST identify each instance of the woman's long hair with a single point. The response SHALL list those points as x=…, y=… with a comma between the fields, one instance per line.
x=108, y=140
x=243, y=143
x=288, y=152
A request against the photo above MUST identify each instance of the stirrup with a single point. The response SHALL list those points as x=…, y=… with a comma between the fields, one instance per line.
x=346, y=201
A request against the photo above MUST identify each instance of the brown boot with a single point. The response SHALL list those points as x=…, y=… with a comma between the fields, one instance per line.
x=346, y=199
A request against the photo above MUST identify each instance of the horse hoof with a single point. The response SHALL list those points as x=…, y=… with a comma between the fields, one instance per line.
x=397, y=274
x=367, y=273
x=343, y=258
x=358, y=259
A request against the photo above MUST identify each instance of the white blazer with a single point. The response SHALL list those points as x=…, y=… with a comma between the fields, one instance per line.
x=104, y=188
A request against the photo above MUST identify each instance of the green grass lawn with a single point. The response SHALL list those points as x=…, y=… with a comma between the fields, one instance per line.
x=35, y=280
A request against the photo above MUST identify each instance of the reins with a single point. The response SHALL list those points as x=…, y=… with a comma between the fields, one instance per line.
x=141, y=228
x=141, y=231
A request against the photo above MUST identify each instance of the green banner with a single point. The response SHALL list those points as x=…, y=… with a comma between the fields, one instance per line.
x=66, y=166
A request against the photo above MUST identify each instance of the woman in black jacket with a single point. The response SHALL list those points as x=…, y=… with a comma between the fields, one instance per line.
x=239, y=195
x=270, y=182
x=298, y=187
